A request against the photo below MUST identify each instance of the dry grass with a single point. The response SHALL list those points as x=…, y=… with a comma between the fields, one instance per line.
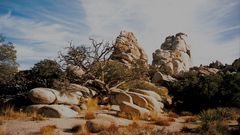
x=92, y=107
x=173, y=115
x=192, y=119
x=92, y=104
x=48, y=130
x=89, y=115
x=3, y=130
x=9, y=113
x=162, y=121
x=154, y=116
x=113, y=128
x=135, y=128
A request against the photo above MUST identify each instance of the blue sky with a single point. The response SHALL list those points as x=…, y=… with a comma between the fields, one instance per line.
x=41, y=28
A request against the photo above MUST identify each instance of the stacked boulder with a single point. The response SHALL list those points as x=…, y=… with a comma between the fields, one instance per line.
x=132, y=101
x=174, y=56
x=56, y=104
x=127, y=49
x=137, y=102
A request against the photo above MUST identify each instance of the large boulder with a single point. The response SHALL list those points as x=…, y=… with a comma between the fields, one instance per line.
x=86, y=92
x=148, y=93
x=146, y=101
x=127, y=49
x=118, y=97
x=52, y=111
x=139, y=100
x=42, y=96
x=236, y=65
x=133, y=110
x=140, y=84
x=49, y=96
x=57, y=111
x=174, y=56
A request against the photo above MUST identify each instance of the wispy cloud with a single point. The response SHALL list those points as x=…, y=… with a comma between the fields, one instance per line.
x=37, y=40
x=41, y=28
x=204, y=21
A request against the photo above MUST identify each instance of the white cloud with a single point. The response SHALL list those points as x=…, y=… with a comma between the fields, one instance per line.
x=152, y=21
x=43, y=40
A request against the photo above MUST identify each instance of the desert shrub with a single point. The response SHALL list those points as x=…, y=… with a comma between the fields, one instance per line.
x=112, y=72
x=45, y=72
x=194, y=91
x=139, y=70
x=215, y=114
x=214, y=118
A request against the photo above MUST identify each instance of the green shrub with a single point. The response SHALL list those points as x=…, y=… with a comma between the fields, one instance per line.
x=45, y=72
x=214, y=121
x=114, y=72
x=194, y=91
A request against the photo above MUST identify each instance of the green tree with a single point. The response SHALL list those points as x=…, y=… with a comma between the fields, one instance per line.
x=8, y=64
x=45, y=72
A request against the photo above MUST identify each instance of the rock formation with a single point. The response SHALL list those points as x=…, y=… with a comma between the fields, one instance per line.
x=158, y=77
x=174, y=56
x=205, y=70
x=127, y=49
x=137, y=101
x=236, y=65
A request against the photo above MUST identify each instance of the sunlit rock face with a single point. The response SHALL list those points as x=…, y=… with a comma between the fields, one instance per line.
x=127, y=49
x=174, y=56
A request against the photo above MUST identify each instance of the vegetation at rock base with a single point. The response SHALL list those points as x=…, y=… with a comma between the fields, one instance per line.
x=114, y=72
x=45, y=72
x=10, y=113
x=194, y=91
x=215, y=121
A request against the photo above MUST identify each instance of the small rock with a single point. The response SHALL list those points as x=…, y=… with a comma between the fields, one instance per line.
x=159, y=77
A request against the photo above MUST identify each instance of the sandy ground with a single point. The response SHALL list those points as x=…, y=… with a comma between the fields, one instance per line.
x=20, y=127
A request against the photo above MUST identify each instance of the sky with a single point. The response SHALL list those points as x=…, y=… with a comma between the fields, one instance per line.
x=41, y=28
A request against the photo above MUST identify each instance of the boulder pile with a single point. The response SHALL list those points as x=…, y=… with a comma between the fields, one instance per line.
x=174, y=56
x=132, y=101
x=127, y=49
